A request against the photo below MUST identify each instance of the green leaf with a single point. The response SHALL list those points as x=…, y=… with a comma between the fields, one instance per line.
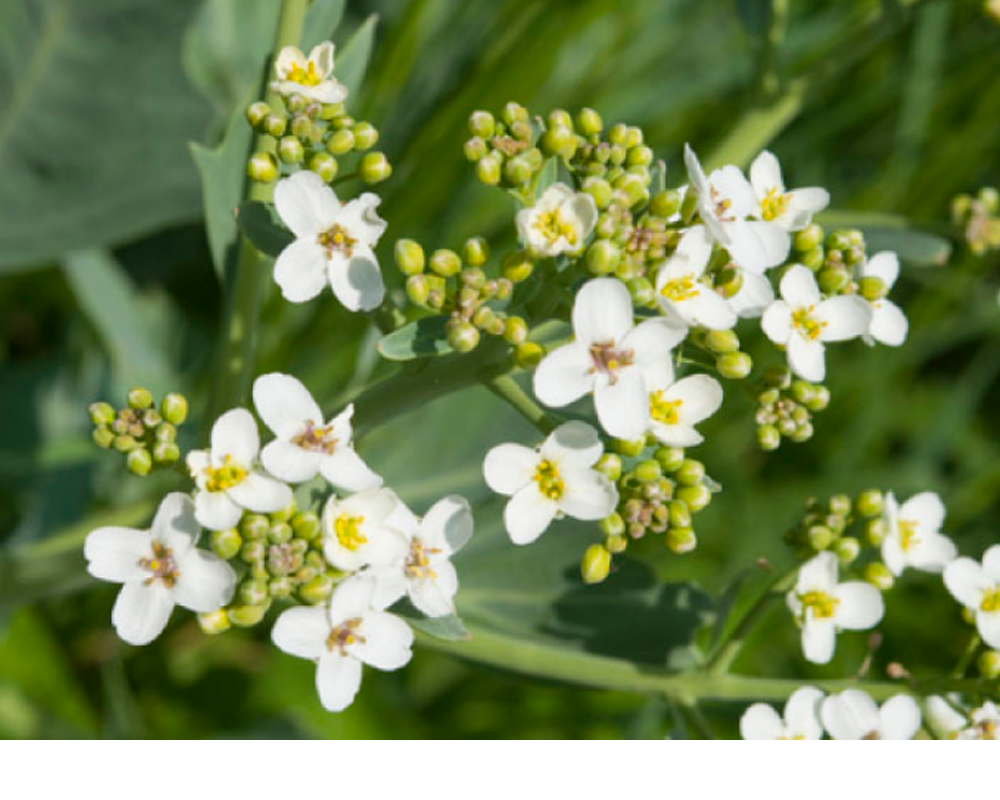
x=547, y=175
x=351, y=62
x=447, y=629
x=322, y=21
x=258, y=225
x=890, y=232
x=424, y=337
x=95, y=112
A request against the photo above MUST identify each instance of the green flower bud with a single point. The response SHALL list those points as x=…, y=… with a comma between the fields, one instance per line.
x=734, y=366
x=613, y=525
x=257, y=113
x=559, y=117
x=808, y=238
x=290, y=150
x=483, y=318
x=681, y=540
x=365, y=136
x=139, y=461
x=670, y=458
x=285, y=514
x=281, y=588
x=820, y=399
x=665, y=204
x=139, y=398
x=814, y=259
x=832, y=280
x=409, y=256
x=340, y=142
x=475, y=149
x=618, y=134
x=988, y=664
x=869, y=503
x=631, y=449
x=482, y=124
x=603, y=257
x=253, y=592
x=528, y=354
x=174, y=408
x=803, y=391
x=990, y=199
x=262, y=167
x=275, y=125
x=226, y=544
x=696, y=497
x=101, y=413
x=838, y=240
x=331, y=112
x=476, y=251
x=254, y=551
x=125, y=442
x=324, y=165
x=841, y=505
x=847, y=549
x=558, y=141
x=680, y=514
x=596, y=564
x=879, y=576
x=254, y=526
x=103, y=437
x=515, y=330
x=214, y=622
x=417, y=289
x=462, y=336
x=618, y=543
x=633, y=187
x=151, y=418
x=609, y=465
x=820, y=537
x=488, y=170
x=639, y=156
x=517, y=171
x=648, y=470
x=517, y=266
x=642, y=292
x=514, y=112
x=246, y=616
x=317, y=590
x=768, y=437
x=374, y=167
x=872, y=288
x=306, y=526
x=722, y=341
x=166, y=452
x=599, y=189
x=445, y=263
x=875, y=531
x=280, y=532
x=589, y=122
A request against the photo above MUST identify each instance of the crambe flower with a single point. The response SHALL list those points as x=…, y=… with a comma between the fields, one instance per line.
x=792, y=210
x=356, y=532
x=310, y=77
x=557, y=478
x=801, y=718
x=225, y=475
x=559, y=222
x=159, y=568
x=333, y=243
x=305, y=445
x=680, y=290
x=822, y=607
x=675, y=408
x=725, y=200
x=913, y=538
x=978, y=589
x=888, y=323
x=985, y=723
x=854, y=715
x=801, y=321
x=342, y=636
x=426, y=573
x=608, y=358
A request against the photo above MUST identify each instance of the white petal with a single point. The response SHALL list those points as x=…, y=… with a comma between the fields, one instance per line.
x=351, y=599
x=860, y=607
x=623, y=407
x=361, y=219
x=385, y=545
x=754, y=296
x=329, y=92
x=694, y=170
x=818, y=574
x=694, y=250
x=588, y=495
x=700, y=396
x=888, y=323
x=807, y=358
x=943, y=720
x=302, y=631
x=933, y=552
x=564, y=375
x=776, y=322
x=884, y=266
x=300, y=270
x=428, y=596
x=709, y=309
x=819, y=640
x=289, y=462
x=583, y=210
x=113, y=554
x=988, y=625
x=991, y=563
x=798, y=287
x=677, y=435
x=305, y=204
x=288, y=58
x=375, y=505
x=235, y=434
x=966, y=581
x=141, y=612
x=257, y=492
x=651, y=341
x=357, y=282
x=892, y=554
x=216, y=511
x=206, y=582
x=765, y=174
x=802, y=204
x=448, y=523
x=284, y=404
x=760, y=721
x=659, y=375
x=509, y=467
x=731, y=184
x=900, y=718
x=846, y=317
x=345, y=469
x=602, y=312
x=573, y=444
x=390, y=585
x=528, y=514
x=802, y=713
x=852, y=714
x=322, y=56
x=757, y=246
x=338, y=679
x=384, y=641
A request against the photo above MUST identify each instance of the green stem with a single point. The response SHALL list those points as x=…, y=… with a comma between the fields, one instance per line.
x=506, y=388
x=970, y=653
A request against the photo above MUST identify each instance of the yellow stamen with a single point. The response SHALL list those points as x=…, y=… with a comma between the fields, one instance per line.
x=548, y=480
x=823, y=605
x=304, y=77
x=552, y=225
x=337, y=238
x=774, y=205
x=663, y=410
x=347, y=531
x=316, y=438
x=991, y=599
x=225, y=477
x=907, y=534
x=343, y=635
x=680, y=289
x=804, y=320
x=161, y=565
x=418, y=564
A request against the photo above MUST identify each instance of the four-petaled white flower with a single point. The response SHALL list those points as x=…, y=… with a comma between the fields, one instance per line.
x=914, y=538
x=793, y=209
x=888, y=323
x=426, y=573
x=801, y=321
x=333, y=243
x=305, y=444
x=822, y=606
x=984, y=723
x=158, y=568
x=556, y=478
x=559, y=222
x=682, y=293
x=357, y=531
x=725, y=199
x=853, y=714
x=342, y=636
x=310, y=77
x=226, y=476
x=676, y=407
x=977, y=587
x=754, y=295
x=800, y=721
x=608, y=358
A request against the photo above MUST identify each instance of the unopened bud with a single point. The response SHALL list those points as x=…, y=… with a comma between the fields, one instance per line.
x=166, y=452
x=324, y=165
x=988, y=664
x=214, y=621
x=869, y=503
x=409, y=256
x=665, y=204
x=517, y=171
x=103, y=437
x=445, y=263
x=247, y=616
x=482, y=124
x=609, y=465
x=722, y=341
x=417, y=289
x=696, y=497
x=280, y=533
x=681, y=540
x=476, y=251
x=528, y=354
x=734, y=366
x=488, y=170
x=262, y=167
x=820, y=537
x=515, y=330
x=808, y=238
x=374, y=167
x=257, y=113
x=847, y=549
x=139, y=461
x=226, y=544
x=365, y=136
x=517, y=266
x=879, y=576
x=630, y=448
x=872, y=288
x=475, y=149
x=596, y=564
x=691, y=472
x=101, y=413
x=139, y=398
x=254, y=526
x=875, y=531
x=589, y=122
x=462, y=336
x=558, y=141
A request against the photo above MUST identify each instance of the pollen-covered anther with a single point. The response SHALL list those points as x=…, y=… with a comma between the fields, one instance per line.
x=161, y=565
x=225, y=477
x=773, y=205
x=417, y=561
x=548, y=480
x=318, y=438
x=553, y=225
x=337, y=239
x=305, y=77
x=343, y=635
x=823, y=606
x=663, y=410
x=608, y=359
x=804, y=320
x=348, y=532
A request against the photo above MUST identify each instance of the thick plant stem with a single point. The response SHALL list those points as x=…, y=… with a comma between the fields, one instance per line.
x=506, y=388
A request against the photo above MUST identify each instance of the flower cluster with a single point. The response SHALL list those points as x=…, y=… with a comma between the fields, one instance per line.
x=979, y=219
x=146, y=436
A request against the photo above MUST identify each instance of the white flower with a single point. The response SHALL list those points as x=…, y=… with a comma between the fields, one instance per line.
x=914, y=538
x=944, y=721
x=426, y=573
x=556, y=478
x=342, y=636
x=159, y=568
x=822, y=607
x=559, y=222
x=725, y=200
x=607, y=358
x=985, y=723
x=888, y=323
x=333, y=243
x=676, y=407
x=978, y=589
x=801, y=321
x=792, y=210
x=854, y=715
x=225, y=475
x=305, y=445
x=680, y=290
x=356, y=531
x=310, y=77
x=801, y=718
x=754, y=295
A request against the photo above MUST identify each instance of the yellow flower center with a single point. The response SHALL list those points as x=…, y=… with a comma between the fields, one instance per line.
x=609, y=359
x=316, y=438
x=663, y=410
x=418, y=565
x=161, y=565
x=343, y=635
x=304, y=77
x=804, y=320
x=553, y=224
x=907, y=534
x=347, y=531
x=991, y=599
x=225, y=477
x=680, y=289
x=337, y=238
x=823, y=605
x=548, y=480
x=773, y=205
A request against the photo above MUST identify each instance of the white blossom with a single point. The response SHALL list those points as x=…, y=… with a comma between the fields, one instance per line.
x=557, y=478
x=977, y=587
x=943, y=719
x=311, y=77
x=333, y=244
x=800, y=720
x=227, y=479
x=342, y=636
x=159, y=568
x=681, y=290
x=357, y=531
x=559, y=222
x=791, y=209
x=675, y=407
x=888, y=322
x=984, y=723
x=608, y=358
x=853, y=714
x=913, y=537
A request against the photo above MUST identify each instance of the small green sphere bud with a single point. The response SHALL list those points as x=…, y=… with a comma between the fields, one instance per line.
x=324, y=165
x=691, y=472
x=648, y=471
x=475, y=278
x=596, y=564
x=462, y=336
x=680, y=514
x=613, y=525
x=275, y=125
x=665, y=204
x=814, y=259
x=445, y=263
x=639, y=156
x=139, y=461
x=875, y=531
x=254, y=551
x=820, y=399
x=262, y=167
x=139, y=398
x=340, y=142
x=735, y=366
x=302, y=127
x=280, y=532
x=253, y=592
x=616, y=544
x=174, y=408
x=517, y=171
x=559, y=117
x=475, y=149
x=290, y=150
x=166, y=452
x=633, y=187
x=820, y=537
x=869, y=503
x=514, y=112
x=988, y=664
x=306, y=526
x=872, y=288
x=101, y=413
x=365, y=136
x=879, y=576
x=151, y=418
x=246, y=616
x=990, y=199
x=847, y=549
x=609, y=465
x=808, y=238
x=417, y=289
x=768, y=438
x=226, y=544
x=483, y=318
x=214, y=622
x=803, y=391
x=833, y=279
x=528, y=354
x=254, y=526
x=482, y=124
x=285, y=514
x=374, y=167
x=488, y=170
x=517, y=266
x=558, y=141
x=618, y=134
x=722, y=341
x=670, y=458
x=838, y=240
x=642, y=291
x=515, y=330
x=281, y=588
x=599, y=189
x=257, y=113
x=696, y=497
x=125, y=442
x=409, y=256
x=603, y=257
x=681, y=540
x=589, y=122
x=841, y=505
x=631, y=449
x=476, y=251
x=317, y=590
x=103, y=437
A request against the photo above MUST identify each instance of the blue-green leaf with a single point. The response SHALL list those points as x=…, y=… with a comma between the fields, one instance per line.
x=322, y=21
x=351, y=62
x=257, y=222
x=424, y=337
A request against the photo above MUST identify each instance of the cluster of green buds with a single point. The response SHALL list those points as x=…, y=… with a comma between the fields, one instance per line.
x=277, y=557
x=785, y=407
x=979, y=219
x=318, y=137
x=456, y=285
x=659, y=494
x=505, y=150
x=724, y=348
x=144, y=433
x=837, y=259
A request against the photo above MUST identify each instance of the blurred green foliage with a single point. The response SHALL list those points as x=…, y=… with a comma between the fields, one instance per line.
x=106, y=280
